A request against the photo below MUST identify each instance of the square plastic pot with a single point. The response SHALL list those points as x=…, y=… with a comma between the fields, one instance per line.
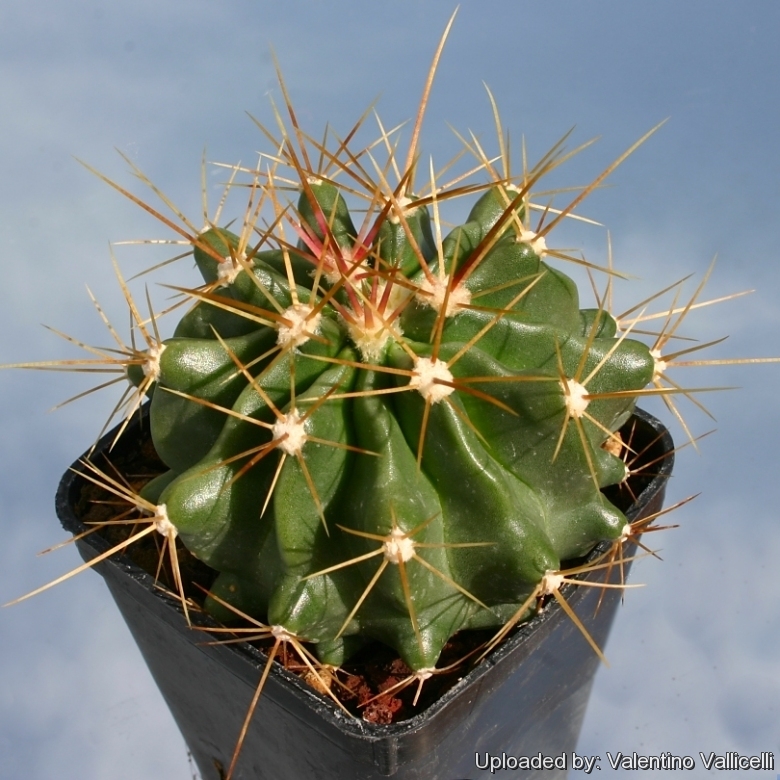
x=526, y=699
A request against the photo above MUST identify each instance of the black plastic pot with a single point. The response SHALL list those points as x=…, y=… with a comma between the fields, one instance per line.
x=527, y=699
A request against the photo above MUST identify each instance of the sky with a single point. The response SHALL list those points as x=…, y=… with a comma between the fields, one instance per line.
x=693, y=655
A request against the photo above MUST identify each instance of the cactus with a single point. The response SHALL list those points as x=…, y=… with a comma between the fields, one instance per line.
x=382, y=434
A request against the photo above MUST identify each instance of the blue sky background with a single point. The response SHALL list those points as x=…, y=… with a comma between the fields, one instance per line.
x=694, y=656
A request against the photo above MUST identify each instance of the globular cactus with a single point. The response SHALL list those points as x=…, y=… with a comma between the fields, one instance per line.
x=380, y=434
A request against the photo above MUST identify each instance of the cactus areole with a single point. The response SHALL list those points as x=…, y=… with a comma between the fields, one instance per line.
x=380, y=434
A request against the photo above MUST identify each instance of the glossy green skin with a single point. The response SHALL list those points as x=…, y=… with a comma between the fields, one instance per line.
x=493, y=481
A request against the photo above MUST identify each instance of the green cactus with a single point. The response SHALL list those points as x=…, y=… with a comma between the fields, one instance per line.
x=383, y=432
x=384, y=435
